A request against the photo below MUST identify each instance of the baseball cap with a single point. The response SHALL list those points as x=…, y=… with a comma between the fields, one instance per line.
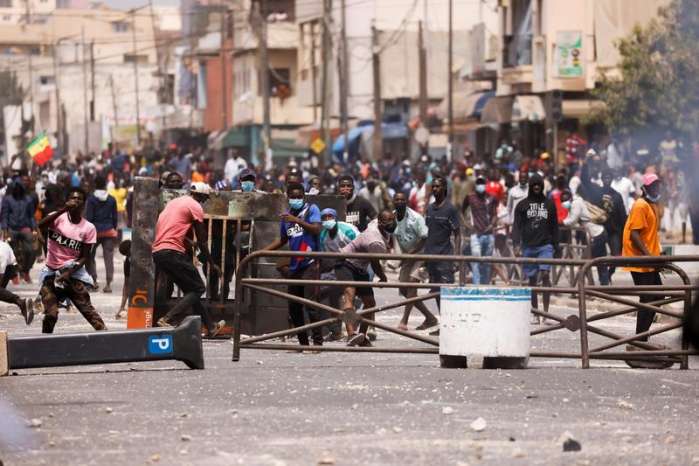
x=649, y=179
x=246, y=173
x=328, y=211
x=469, y=171
x=200, y=188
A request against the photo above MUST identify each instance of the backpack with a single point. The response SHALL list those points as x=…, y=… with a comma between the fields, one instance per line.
x=600, y=214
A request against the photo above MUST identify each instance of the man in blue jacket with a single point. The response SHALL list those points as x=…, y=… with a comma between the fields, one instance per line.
x=101, y=211
x=18, y=225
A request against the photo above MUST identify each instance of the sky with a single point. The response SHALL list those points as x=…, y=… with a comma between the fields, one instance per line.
x=126, y=4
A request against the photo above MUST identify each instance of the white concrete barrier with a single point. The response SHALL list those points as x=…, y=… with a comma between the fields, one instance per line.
x=487, y=321
x=4, y=359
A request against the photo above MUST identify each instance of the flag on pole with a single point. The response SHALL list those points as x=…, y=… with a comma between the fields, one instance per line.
x=40, y=149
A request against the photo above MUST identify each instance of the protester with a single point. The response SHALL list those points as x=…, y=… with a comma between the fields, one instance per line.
x=335, y=236
x=411, y=234
x=300, y=227
x=517, y=193
x=8, y=271
x=641, y=239
x=359, y=210
x=18, y=224
x=535, y=231
x=69, y=240
x=125, y=250
x=169, y=254
x=101, y=211
x=377, y=239
x=482, y=208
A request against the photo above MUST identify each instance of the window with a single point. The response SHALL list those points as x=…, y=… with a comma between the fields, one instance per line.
x=131, y=58
x=518, y=42
x=120, y=26
x=46, y=80
x=280, y=82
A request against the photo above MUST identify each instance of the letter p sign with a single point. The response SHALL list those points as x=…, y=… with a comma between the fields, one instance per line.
x=160, y=344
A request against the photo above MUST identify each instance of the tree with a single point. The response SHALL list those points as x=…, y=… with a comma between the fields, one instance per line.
x=657, y=88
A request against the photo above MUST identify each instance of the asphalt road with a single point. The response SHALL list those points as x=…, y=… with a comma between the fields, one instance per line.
x=278, y=408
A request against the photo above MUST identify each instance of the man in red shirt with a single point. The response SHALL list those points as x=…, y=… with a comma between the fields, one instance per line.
x=169, y=255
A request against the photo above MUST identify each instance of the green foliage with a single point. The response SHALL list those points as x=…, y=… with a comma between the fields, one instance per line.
x=657, y=88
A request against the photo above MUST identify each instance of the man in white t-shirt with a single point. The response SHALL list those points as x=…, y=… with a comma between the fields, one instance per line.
x=233, y=167
x=625, y=187
x=8, y=270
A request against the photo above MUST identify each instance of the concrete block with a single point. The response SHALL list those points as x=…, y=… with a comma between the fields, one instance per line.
x=4, y=359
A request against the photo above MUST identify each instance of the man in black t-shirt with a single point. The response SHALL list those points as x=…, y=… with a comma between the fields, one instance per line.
x=359, y=210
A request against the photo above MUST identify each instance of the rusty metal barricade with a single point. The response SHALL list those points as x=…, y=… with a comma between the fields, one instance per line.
x=581, y=322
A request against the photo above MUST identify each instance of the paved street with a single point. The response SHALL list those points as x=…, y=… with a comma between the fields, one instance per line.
x=277, y=408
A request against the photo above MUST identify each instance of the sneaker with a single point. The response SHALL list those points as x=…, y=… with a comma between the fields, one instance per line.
x=427, y=324
x=163, y=322
x=366, y=343
x=218, y=327
x=371, y=334
x=107, y=288
x=26, y=307
x=653, y=362
x=334, y=336
x=357, y=339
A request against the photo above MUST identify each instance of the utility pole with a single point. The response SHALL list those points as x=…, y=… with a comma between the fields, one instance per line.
x=57, y=97
x=314, y=74
x=86, y=139
x=422, y=63
x=224, y=77
x=115, y=115
x=343, y=75
x=30, y=72
x=92, y=81
x=378, y=113
x=450, y=84
x=135, y=77
x=326, y=49
x=263, y=67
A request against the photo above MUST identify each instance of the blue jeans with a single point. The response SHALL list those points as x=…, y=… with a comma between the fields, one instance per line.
x=482, y=246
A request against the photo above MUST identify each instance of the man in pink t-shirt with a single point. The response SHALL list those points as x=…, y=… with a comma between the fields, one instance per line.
x=70, y=239
x=179, y=216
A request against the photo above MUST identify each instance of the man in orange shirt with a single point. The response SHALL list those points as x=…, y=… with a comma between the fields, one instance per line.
x=641, y=239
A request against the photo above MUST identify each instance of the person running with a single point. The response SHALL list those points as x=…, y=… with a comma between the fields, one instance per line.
x=377, y=239
x=70, y=237
x=483, y=210
x=536, y=232
x=411, y=235
x=8, y=271
x=299, y=228
x=641, y=239
x=335, y=236
x=101, y=211
x=171, y=259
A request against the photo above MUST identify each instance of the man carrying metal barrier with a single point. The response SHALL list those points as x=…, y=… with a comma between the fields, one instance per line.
x=377, y=239
x=169, y=254
x=300, y=227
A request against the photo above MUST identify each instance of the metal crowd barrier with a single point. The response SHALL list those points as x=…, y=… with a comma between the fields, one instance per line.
x=580, y=322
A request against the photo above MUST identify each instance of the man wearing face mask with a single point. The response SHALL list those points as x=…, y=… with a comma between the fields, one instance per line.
x=335, y=236
x=247, y=180
x=641, y=239
x=300, y=227
x=536, y=230
x=411, y=234
x=377, y=239
x=359, y=211
x=483, y=209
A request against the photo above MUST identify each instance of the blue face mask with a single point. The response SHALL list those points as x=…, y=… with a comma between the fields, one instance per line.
x=295, y=204
x=480, y=188
x=329, y=224
x=566, y=204
x=247, y=186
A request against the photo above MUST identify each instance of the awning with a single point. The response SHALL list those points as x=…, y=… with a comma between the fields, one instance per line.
x=287, y=148
x=497, y=110
x=236, y=137
x=528, y=108
x=215, y=139
x=578, y=109
x=353, y=135
x=467, y=105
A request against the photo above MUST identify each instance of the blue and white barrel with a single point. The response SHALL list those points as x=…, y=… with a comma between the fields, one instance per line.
x=485, y=321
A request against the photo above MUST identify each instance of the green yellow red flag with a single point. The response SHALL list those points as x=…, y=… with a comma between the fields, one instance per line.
x=40, y=149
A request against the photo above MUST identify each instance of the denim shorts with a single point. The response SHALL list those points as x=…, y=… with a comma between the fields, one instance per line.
x=537, y=252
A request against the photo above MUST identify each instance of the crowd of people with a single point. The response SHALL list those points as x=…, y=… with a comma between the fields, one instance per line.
x=504, y=204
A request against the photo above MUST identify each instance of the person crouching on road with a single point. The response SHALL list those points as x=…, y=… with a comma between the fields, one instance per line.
x=377, y=239
x=335, y=236
x=70, y=239
x=171, y=259
x=300, y=227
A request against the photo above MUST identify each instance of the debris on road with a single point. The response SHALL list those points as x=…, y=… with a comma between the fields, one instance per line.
x=569, y=442
x=479, y=425
x=35, y=423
